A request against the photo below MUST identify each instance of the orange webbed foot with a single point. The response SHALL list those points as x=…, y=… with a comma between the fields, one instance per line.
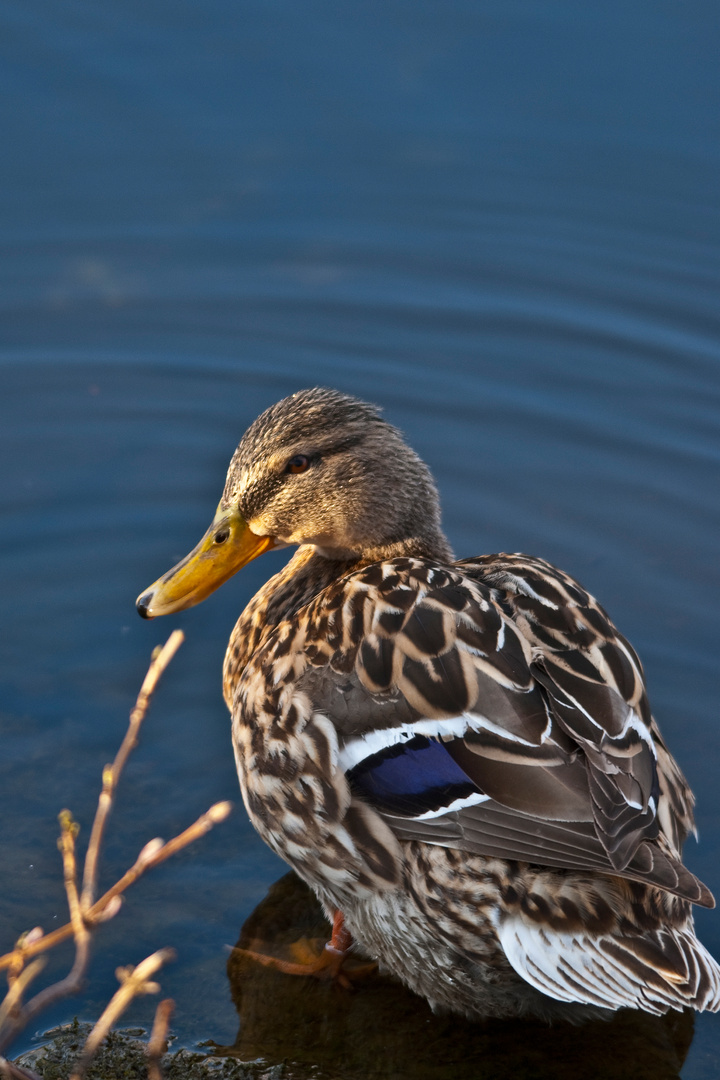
x=309, y=956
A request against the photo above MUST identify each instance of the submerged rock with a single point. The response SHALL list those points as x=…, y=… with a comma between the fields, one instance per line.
x=123, y=1057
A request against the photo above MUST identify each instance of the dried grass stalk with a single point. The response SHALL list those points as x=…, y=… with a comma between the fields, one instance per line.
x=86, y=913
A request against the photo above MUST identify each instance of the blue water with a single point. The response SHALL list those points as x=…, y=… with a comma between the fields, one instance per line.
x=499, y=220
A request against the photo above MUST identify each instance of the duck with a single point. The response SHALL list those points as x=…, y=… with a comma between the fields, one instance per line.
x=458, y=757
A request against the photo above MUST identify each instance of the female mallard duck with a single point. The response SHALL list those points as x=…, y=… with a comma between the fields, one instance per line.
x=459, y=757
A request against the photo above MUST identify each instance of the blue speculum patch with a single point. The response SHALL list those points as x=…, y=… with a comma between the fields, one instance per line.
x=411, y=778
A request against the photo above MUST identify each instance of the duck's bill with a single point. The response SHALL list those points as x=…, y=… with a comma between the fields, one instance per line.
x=226, y=547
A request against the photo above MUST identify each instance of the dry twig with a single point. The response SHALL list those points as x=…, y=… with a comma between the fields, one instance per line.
x=111, y=773
x=151, y=855
x=134, y=981
x=157, y=1043
x=14, y=996
x=10, y=1071
x=86, y=913
x=19, y=1017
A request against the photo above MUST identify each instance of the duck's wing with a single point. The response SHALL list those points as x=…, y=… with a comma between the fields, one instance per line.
x=494, y=707
x=577, y=645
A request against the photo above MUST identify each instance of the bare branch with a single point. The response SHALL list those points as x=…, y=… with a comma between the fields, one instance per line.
x=111, y=773
x=19, y=954
x=13, y=999
x=18, y=1018
x=157, y=1043
x=69, y=830
x=10, y=1071
x=85, y=915
x=150, y=856
x=134, y=981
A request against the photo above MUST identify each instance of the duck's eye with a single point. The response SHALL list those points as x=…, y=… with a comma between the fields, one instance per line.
x=297, y=464
x=221, y=536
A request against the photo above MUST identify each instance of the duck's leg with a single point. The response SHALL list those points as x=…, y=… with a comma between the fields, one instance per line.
x=322, y=962
x=341, y=938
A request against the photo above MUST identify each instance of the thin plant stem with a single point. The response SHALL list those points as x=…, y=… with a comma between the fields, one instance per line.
x=157, y=1043
x=143, y=863
x=15, y=994
x=10, y=1071
x=134, y=981
x=19, y=1017
x=86, y=912
x=111, y=773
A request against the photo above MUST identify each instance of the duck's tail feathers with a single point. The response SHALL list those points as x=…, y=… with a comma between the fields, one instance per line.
x=654, y=971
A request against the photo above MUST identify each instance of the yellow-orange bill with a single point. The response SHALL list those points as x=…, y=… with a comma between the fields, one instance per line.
x=226, y=547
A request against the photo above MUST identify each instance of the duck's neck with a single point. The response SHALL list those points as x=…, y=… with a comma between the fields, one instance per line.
x=306, y=575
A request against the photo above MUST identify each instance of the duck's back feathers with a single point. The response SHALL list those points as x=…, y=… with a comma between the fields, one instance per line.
x=492, y=706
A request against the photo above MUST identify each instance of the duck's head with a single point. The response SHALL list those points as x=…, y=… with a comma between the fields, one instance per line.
x=318, y=468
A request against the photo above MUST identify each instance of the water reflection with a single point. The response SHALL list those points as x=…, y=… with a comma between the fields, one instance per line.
x=382, y=1030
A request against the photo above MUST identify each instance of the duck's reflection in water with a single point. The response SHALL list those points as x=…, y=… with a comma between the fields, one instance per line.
x=382, y=1030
